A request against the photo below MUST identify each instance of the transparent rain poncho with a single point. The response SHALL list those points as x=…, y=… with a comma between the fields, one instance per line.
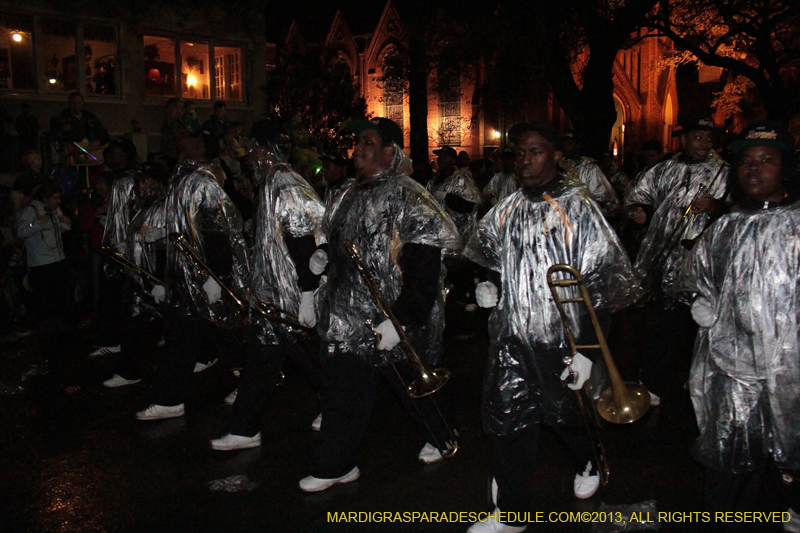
x=197, y=205
x=500, y=186
x=145, y=255
x=745, y=376
x=590, y=174
x=118, y=218
x=669, y=188
x=287, y=205
x=520, y=238
x=379, y=218
x=461, y=184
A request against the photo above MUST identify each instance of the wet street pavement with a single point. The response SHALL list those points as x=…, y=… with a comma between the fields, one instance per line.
x=79, y=461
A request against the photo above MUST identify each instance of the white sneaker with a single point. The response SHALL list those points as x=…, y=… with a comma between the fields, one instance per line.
x=315, y=484
x=157, y=412
x=317, y=423
x=106, y=350
x=429, y=454
x=491, y=525
x=586, y=485
x=118, y=381
x=655, y=401
x=199, y=367
x=236, y=442
x=230, y=399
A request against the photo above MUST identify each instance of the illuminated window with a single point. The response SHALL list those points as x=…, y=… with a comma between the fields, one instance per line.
x=194, y=71
x=450, y=108
x=60, y=59
x=16, y=53
x=228, y=73
x=159, y=66
x=100, y=51
x=393, y=78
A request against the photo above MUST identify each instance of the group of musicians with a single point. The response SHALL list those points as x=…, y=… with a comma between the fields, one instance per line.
x=365, y=272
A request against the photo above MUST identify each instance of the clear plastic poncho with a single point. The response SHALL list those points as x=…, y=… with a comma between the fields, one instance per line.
x=196, y=204
x=118, y=218
x=600, y=188
x=461, y=184
x=520, y=238
x=379, y=218
x=500, y=186
x=287, y=205
x=745, y=376
x=145, y=255
x=669, y=188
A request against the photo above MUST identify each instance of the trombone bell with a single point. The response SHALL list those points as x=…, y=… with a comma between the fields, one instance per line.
x=633, y=404
x=428, y=383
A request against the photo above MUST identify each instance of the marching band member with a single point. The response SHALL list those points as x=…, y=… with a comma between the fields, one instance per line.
x=745, y=376
x=552, y=219
x=287, y=231
x=145, y=248
x=198, y=209
x=456, y=192
x=667, y=191
x=504, y=183
x=587, y=170
x=401, y=232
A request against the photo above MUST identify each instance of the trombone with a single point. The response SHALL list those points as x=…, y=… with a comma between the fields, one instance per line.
x=621, y=403
x=426, y=381
x=130, y=266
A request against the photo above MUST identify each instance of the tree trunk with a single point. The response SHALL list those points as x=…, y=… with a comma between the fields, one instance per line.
x=418, y=67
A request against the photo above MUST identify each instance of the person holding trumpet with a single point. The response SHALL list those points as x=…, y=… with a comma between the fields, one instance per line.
x=551, y=220
x=679, y=196
x=401, y=232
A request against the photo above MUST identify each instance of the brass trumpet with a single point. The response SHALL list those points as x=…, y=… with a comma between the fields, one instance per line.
x=120, y=259
x=426, y=381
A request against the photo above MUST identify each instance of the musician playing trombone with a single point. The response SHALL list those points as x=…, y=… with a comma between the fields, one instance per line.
x=197, y=209
x=552, y=219
x=679, y=196
x=287, y=232
x=401, y=232
x=745, y=377
x=146, y=249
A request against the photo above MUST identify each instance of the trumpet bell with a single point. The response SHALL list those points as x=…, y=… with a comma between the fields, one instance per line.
x=628, y=407
x=428, y=383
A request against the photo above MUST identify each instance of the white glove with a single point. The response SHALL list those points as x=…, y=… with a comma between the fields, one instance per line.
x=486, y=294
x=307, y=315
x=154, y=233
x=703, y=312
x=120, y=248
x=213, y=290
x=581, y=370
x=388, y=337
x=318, y=262
x=440, y=195
x=159, y=293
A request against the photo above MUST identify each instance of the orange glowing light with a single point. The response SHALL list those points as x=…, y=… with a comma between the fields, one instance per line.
x=191, y=81
x=16, y=36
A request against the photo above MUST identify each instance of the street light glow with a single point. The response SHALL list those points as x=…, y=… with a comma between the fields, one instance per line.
x=16, y=36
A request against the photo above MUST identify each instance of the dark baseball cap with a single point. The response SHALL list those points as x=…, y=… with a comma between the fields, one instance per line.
x=767, y=133
x=447, y=150
x=386, y=128
x=703, y=123
x=336, y=159
x=542, y=128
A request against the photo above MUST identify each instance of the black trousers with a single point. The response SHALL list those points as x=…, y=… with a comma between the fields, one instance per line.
x=139, y=333
x=188, y=340
x=261, y=368
x=347, y=396
x=51, y=291
x=110, y=308
x=671, y=326
x=743, y=492
x=514, y=457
